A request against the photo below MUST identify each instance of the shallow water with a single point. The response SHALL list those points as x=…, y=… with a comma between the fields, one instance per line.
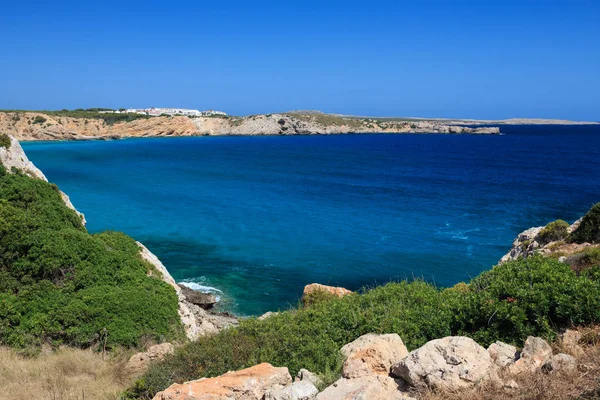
x=259, y=217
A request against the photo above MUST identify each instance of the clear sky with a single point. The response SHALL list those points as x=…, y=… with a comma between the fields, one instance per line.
x=479, y=59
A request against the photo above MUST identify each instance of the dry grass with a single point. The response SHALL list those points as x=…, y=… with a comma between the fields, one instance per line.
x=66, y=374
x=581, y=384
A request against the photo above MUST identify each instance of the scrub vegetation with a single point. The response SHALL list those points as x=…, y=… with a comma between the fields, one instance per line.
x=61, y=285
x=534, y=296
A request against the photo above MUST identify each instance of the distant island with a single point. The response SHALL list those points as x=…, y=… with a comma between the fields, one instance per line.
x=102, y=123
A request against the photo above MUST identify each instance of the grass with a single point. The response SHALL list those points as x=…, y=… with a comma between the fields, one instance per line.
x=67, y=374
x=92, y=113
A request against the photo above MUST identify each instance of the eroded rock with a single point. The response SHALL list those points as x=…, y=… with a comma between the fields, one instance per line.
x=139, y=362
x=317, y=287
x=536, y=352
x=503, y=354
x=247, y=384
x=306, y=375
x=560, y=363
x=205, y=301
x=299, y=390
x=450, y=363
x=371, y=387
x=372, y=354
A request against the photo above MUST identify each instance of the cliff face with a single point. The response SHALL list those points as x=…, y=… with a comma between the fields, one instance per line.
x=25, y=126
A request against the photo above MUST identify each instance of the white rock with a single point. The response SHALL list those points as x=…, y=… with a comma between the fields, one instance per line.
x=536, y=352
x=299, y=390
x=503, y=354
x=306, y=375
x=372, y=387
x=450, y=363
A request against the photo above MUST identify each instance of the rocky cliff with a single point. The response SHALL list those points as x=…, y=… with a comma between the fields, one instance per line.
x=40, y=126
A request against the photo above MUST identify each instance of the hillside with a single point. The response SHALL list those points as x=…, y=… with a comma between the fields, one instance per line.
x=88, y=125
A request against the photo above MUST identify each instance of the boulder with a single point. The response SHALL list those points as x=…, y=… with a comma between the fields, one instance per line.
x=139, y=362
x=570, y=342
x=450, y=363
x=317, y=287
x=205, y=301
x=503, y=354
x=372, y=354
x=560, y=363
x=536, y=352
x=299, y=390
x=247, y=384
x=371, y=387
x=306, y=375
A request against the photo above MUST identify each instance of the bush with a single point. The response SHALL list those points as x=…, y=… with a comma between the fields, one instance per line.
x=39, y=119
x=61, y=285
x=533, y=296
x=584, y=260
x=589, y=229
x=4, y=141
x=557, y=230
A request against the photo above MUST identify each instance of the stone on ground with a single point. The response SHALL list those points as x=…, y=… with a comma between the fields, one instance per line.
x=372, y=354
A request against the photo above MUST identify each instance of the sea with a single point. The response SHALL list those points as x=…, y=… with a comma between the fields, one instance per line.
x=254, y=219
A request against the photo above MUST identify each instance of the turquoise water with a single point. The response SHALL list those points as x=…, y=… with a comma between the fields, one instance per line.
x=257, y=218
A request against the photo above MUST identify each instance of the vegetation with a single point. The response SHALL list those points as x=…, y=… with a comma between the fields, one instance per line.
x=39, y=119
x=533, y=296
x=66, y=374
x=91, y=113
x=557, y=230
x=61, y=285
x=4, y=141
x=589, y=229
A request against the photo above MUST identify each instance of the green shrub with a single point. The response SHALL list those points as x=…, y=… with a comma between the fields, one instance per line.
x=589, y=229
x=4, y=141
x=533, y=296
x=39, y=119
x=557, y=230
x=61, y=285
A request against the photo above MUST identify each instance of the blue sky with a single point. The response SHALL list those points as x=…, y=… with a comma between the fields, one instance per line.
x=479, y=59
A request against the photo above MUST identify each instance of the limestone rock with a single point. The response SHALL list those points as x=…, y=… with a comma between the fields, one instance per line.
x=139, y=362
x=372, y=354
x=306, y=375
x=299, y=390
x=450, y=363
x=205, y=301
x=247, y=384
x=314, y=287
x=371, y=387
x=560, y=363
x=503, y=354
x=570, y=342
x=536, y=352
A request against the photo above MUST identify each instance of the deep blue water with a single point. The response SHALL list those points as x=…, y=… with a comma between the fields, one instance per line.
x=260, y=217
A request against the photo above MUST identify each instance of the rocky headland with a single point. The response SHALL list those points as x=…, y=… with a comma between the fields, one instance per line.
x=55, y=126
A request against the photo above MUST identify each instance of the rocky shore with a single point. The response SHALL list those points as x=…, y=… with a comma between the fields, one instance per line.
x=40, y=126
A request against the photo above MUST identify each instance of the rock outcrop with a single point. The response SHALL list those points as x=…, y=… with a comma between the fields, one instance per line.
x=205, y=301
x=532, y=241
x=372, y=354
x=299, y=390
x=139, y=362
x=247, y=384
x=450, y=363
x=314, y=288
x=535, y=353
x=27, y=126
